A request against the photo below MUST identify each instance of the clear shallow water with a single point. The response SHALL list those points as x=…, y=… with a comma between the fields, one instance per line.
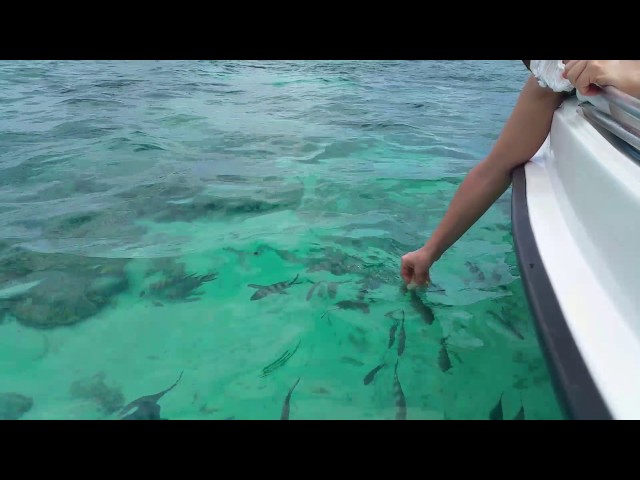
x=139, y=200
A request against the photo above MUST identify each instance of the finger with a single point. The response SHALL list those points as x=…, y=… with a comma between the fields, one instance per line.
x=406, y=271
x=567, y=65
x=587, y=77
x=575, y=70
x=421, y=276
x=583, y=83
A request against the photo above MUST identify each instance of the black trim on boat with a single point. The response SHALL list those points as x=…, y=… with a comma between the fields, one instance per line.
x=575, y=389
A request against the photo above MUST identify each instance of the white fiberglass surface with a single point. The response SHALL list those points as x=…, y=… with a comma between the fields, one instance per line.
x=584, y=204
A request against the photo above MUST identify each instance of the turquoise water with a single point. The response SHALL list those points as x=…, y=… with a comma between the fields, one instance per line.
x=140, y=200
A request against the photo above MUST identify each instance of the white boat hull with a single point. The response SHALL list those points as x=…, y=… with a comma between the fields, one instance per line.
x=577, y=235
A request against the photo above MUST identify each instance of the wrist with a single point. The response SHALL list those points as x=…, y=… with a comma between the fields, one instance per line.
x=432, y=251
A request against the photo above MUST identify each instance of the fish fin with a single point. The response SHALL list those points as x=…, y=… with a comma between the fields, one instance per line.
x=259, y=287
x=327, y=311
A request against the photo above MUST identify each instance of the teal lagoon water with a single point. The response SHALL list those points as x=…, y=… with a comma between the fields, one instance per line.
x=145, y=205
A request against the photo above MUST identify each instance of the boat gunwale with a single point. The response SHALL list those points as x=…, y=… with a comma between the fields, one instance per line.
x=575, y=388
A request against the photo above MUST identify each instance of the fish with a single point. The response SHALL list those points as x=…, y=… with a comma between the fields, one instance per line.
x=285, y=406
x=276, y=288
x=321, y=391
x=392, y=332
x=512, y=328
x=180, y=287
x=332, y=288
x=284, y=358
x=353, y=305
x=473, y=268
x=361, y=293
x=496, y=412
x=391, y=314
x=351, y=361
x=312, y=289
x=457, y=357
x=401, y=402
x=285, y=255
x=147, y=406
x=443, y=356
x=507, y=324
x=368, y=378
x=206, y=410
x=520, y=414
x=419, y=306
x=402, y=337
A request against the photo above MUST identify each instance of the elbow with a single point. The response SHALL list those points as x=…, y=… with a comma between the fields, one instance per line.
x=499, y=166
x=492, y=171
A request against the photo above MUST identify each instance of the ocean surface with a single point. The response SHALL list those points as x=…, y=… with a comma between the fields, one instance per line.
x=234, y=229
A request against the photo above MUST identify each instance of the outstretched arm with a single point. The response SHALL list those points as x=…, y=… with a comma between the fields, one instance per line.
x=521, y=137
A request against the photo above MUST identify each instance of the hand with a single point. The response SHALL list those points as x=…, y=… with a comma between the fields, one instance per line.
x=415, y=267
x=588, y=75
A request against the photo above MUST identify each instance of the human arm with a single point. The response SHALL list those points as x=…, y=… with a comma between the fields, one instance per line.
x=523, y=134
x=587, y=75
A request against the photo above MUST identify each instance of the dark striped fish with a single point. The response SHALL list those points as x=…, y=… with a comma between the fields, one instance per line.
x=285, y=406
x=368, y=378
x=507, y=325
x=352, y=361
x=312, y=289
x=520, y=414
x=147, y=407
x=353, y=305
x=401, y=402
x=392, y=332
x=443, y=356
x=276, y=288
x=402, y=337
x=496, y=412
x=332, y=288
x=284, y=358
x=419, y=306
x=474, y=269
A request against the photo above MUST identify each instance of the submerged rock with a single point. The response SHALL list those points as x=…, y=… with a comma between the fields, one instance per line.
x=64, y=298
x=66, y=289
x=109, y=399
x=13, y=405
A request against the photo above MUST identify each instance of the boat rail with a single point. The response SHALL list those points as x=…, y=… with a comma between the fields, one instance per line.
x=624, y=120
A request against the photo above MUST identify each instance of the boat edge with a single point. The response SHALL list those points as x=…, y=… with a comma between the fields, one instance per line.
x=575, y=389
